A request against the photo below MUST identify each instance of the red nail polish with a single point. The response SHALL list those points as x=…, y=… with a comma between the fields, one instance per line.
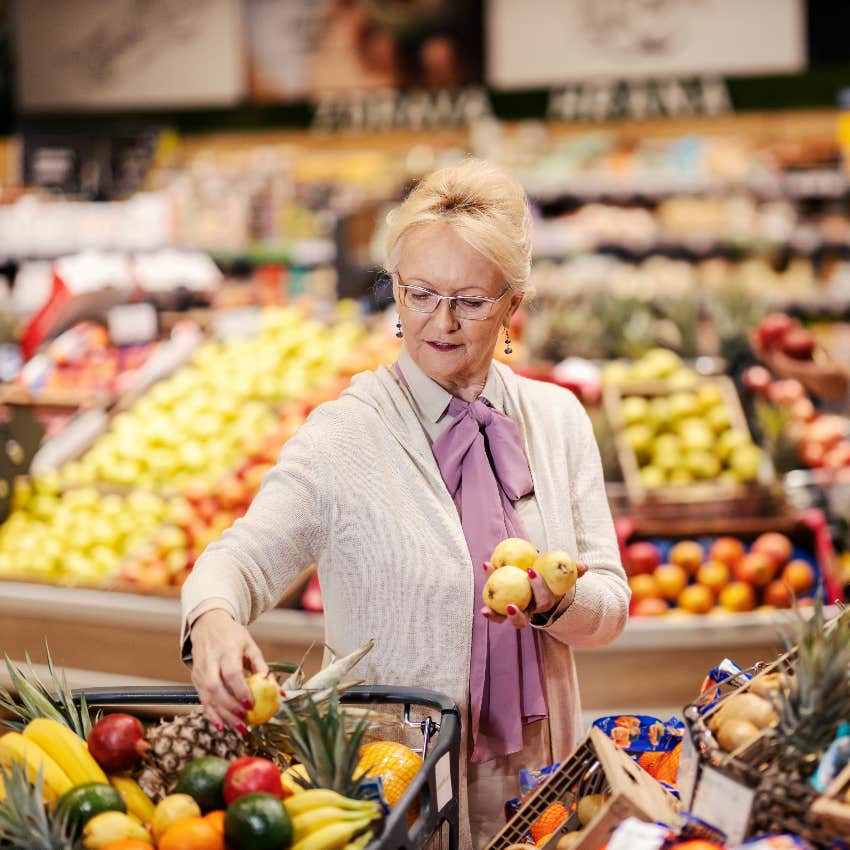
x=531, y=573
x=219, y=727
x=511, y=609
x=282, y=692
x=247, y=703
x=241, y=728
x=485, y=566
x=486, y=614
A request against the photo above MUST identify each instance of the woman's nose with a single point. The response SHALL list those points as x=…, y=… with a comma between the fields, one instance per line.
x=445, y=315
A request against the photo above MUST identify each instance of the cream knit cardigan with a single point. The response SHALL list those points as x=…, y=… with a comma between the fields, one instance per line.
x=358, y=492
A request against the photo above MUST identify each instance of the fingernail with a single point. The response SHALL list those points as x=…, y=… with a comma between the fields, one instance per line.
x=241, y=728
x=282, y=692
x=511, y=609
x=486, y=614
x=247, y=703
x=241, y=714
x=531, y=573
x=485, y=566
x=219, y=727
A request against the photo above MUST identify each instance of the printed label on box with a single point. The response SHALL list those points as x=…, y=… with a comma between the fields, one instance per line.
x=723, y=803
x=443, y=775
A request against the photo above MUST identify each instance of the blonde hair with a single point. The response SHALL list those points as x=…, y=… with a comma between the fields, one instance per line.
x=485, y=206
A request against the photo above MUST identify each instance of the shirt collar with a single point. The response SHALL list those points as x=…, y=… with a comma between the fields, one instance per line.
x=430, y=397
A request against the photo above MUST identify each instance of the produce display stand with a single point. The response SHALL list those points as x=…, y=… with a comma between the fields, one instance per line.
x=433, y=792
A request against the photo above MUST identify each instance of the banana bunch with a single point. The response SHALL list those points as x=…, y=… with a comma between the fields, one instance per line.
x=66, y=748
x=137, y=802
x=14, y=747
x=324, y=820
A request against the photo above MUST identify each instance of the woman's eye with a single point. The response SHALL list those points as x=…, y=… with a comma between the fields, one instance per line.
x=471, y=303
x=420, y=296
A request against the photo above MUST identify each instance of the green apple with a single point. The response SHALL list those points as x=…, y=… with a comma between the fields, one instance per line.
x=745, y=462
x=729, y=440
x=652, y=477
x=703, y=464
x=634, y=409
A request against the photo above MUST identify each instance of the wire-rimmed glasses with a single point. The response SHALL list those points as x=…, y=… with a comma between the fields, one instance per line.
x=422, y=300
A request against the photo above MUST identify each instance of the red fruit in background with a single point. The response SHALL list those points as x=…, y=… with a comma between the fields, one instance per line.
x=117, y=742
x=812, y=454
x=777, y=594
x=826, y=430
x=687, y=554
x=311, y=599
x=803, y=410
x=738, y=596
x=644, y=586
x=756, y=568
x=838, y=455
x=799, y=575
x=757, y=379
x=772, y=329
x=727, y=550
x=649, y=607
x=786, y=392
x=776, y=545
x=671, y=580
x=799, y=344
x=696, y=598
x=641, y=557
x=249, y=774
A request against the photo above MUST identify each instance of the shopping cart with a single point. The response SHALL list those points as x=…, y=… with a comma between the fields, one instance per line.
x=433, y=793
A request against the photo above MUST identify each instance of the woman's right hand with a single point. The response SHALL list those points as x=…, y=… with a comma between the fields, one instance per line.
x=221, y=651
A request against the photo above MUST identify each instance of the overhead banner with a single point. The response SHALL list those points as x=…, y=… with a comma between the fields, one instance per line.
x=87, y=54
x=299, y=49
x=541, y=43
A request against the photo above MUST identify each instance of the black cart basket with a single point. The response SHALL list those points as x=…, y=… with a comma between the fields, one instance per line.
x=434, y=787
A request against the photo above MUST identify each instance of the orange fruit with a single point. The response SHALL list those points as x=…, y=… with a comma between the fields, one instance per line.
x=216, y=820
x=127, y=844
x=192, y=833
x=553, y=816
x=393, y=762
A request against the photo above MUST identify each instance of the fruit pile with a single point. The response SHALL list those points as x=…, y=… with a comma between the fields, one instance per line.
x=657, y=364
x=301, y=777
x=699, y=576
x=686, y=436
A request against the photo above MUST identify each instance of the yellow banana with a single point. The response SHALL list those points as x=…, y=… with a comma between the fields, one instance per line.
x=316, y=797
x=137, y=802
x=107, y=827
x=14, y=747
x=66, y=748
x=314, y=819
x=2, y=790
x=333, y=836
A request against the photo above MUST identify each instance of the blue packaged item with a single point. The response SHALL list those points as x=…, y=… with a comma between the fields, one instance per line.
x=639, y=733
x=710, y=691
x=834, y=760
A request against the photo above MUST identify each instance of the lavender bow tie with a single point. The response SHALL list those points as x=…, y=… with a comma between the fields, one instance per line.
x=483, y=465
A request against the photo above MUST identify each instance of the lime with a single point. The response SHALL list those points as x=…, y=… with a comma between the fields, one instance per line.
x=257, y=822
x=83, y=802
x=202, y=780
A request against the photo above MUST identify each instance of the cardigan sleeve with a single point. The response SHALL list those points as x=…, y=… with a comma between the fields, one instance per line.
x=281, y=534
x=598, y=609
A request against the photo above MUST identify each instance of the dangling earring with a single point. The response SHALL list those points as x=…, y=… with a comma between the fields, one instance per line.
x=508, y=349
x=398, y=331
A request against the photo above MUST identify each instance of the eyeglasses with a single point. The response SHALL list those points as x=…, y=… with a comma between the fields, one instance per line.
x=421, y=300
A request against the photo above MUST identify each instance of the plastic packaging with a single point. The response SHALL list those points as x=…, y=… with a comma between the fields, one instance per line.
x=834, y=760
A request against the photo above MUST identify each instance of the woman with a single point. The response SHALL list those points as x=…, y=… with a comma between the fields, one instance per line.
x=401, y=488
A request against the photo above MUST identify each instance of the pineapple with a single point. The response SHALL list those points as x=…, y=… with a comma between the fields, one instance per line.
x=321, y=741
x=174, y=743
x=813, y=702
x=25, y=822
x=34, y=699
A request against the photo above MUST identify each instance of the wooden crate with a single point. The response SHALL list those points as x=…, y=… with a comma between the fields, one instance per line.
x=833, y=807
x=596, y=767
x=701, y=499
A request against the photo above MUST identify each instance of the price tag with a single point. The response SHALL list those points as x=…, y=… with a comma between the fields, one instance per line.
x=238, y=323
x=723, y=803
x=443, y=775
x=132, y=324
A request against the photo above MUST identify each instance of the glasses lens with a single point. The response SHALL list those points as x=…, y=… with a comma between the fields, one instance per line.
x=473, y=308
x=420, y=300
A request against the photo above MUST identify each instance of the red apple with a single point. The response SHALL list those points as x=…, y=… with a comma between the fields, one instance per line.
x=757, y=379
x=799, y=344
x=756, y=568
x=249, y=774
x=696, y=598
x=786, y=392
x=641, y=558
x=778, y=594
x=671, y=580
x=651, y=606
x=738, y=596
x=687, y=554
x=777, y=546
x=812, y=454
x=827, y=430
x=727, y=550
x=803, y=410
x=773, y=328
x=799, y=575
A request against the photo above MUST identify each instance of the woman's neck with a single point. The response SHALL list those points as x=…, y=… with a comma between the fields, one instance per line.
x=467, y=391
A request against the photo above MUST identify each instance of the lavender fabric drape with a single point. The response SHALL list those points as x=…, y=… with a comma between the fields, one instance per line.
x=482, y=462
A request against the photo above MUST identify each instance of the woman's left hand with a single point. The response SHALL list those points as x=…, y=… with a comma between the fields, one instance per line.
x=542, y=600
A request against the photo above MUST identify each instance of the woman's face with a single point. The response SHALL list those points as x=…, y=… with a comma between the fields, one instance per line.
x=454, y=352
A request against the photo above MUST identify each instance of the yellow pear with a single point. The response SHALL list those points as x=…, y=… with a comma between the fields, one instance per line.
x=514, y=551
x=558, y=570
x=266, y=694
x=589, y=805
x=507, y=586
